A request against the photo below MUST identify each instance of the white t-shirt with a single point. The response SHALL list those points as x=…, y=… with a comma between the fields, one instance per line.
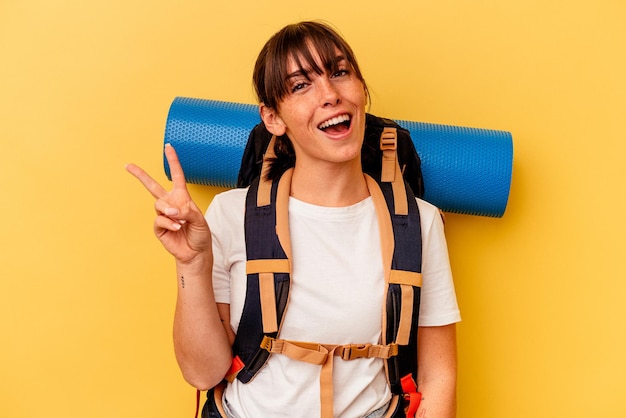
x=336, y=297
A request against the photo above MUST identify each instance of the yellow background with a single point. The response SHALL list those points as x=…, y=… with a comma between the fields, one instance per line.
x=87, y=293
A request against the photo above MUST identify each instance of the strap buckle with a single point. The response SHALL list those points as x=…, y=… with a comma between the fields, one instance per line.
x=388, y=141
x=353, y=351
x=266, y=343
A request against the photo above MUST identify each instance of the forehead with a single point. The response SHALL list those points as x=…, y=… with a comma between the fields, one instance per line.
x=313, y=60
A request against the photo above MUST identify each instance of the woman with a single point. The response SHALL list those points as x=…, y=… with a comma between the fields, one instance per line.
x=313, y=98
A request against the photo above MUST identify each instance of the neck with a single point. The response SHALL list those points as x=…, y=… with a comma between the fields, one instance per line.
x=334, y=185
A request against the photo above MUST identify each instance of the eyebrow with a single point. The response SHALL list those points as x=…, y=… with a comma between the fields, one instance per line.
x=298, y=73
x=302, y=72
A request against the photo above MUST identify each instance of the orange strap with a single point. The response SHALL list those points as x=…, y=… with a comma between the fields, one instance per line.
x=265, y=185
x=388, y=146
x=406, y=277
x=266, y=270
x=390, y=170
x=323, y=355
x=407, y=280
x=316, y=353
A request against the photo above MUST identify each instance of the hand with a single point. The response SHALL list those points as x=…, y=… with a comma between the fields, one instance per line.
x=179, y=225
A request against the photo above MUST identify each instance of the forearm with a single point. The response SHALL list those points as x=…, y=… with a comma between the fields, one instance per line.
x=438, y=398
x=437, y=371
x=200, y=341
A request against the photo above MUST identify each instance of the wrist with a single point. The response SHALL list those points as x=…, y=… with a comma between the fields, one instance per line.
x=200, y=263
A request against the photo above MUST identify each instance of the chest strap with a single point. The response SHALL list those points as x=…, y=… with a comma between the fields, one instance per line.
x=323, y=355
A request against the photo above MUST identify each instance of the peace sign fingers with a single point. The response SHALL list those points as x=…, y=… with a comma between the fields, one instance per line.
x=179, y=224
x=151, y=185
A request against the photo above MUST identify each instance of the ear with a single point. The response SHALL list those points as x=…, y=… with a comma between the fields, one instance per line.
x=273, y=122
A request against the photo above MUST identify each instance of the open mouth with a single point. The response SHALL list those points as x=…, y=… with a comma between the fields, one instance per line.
x=337, y=124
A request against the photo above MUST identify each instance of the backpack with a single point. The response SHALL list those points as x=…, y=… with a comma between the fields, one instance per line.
x=268, y=269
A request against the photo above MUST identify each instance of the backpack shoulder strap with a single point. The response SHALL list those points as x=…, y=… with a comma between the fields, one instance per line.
x=402, y=261
x=268, y=268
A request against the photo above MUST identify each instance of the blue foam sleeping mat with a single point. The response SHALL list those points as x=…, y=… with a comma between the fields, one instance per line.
x=466, y=170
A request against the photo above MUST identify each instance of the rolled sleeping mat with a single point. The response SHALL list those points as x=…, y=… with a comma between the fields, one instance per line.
x=465, y=170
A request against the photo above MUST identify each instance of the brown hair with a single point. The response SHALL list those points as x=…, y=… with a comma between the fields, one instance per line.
x=296, y=41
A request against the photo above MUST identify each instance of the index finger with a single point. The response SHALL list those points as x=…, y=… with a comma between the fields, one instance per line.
x=176, y=170
x=148, y=182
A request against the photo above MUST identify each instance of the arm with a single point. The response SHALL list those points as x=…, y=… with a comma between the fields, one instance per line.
x=436, y=374
x=201, y=343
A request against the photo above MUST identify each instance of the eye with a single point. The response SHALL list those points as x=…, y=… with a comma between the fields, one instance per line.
x=340, y=73
x=298, y=86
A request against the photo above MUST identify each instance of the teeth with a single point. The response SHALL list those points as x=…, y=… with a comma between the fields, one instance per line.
x=334, y=121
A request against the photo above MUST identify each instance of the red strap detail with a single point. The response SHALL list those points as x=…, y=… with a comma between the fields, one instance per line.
x=235, y=368
x=414, y=399
x=408, y=384
x=197, y=403
x=411, y=396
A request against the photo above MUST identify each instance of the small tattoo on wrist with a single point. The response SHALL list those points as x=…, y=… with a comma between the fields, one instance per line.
x=182, y=281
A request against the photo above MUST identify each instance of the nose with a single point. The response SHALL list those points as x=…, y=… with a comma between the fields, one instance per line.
x=329, y=95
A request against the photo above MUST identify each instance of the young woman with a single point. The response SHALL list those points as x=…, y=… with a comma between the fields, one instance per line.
x=313, y=98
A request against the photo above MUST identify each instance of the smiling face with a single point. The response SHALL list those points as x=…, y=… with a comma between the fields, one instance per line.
x=323, y=111
x=310, y=87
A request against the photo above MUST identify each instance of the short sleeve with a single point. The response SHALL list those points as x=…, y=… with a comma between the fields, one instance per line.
x=438, y=305
x=225, y=217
